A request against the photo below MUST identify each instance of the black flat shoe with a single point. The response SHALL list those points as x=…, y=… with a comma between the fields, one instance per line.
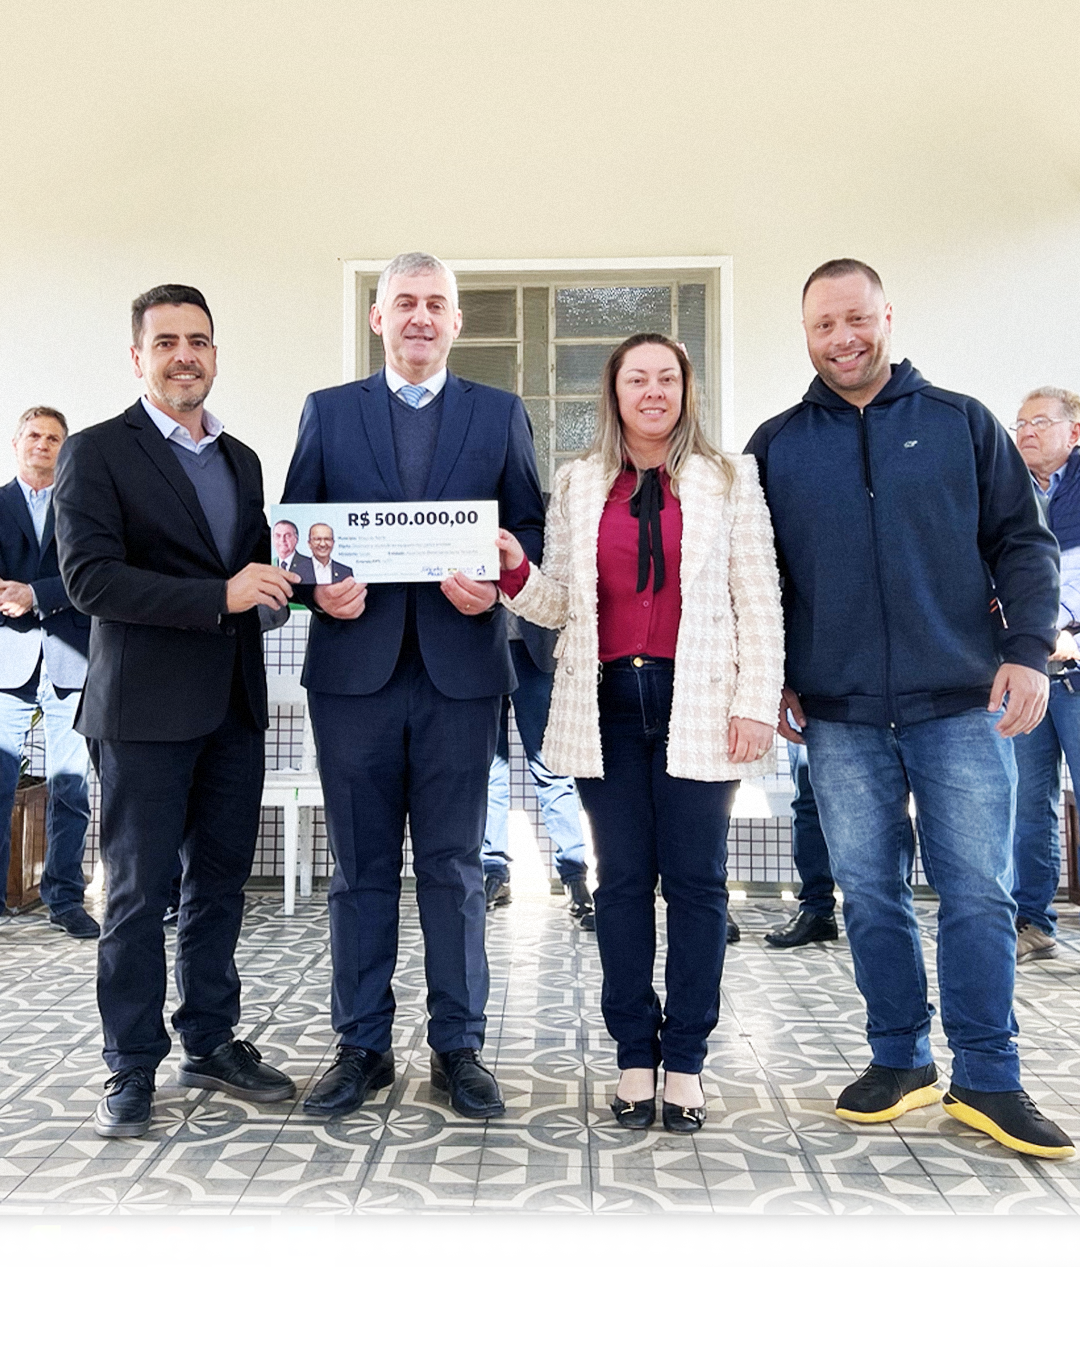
x=635, y=1115
x=683, y=1119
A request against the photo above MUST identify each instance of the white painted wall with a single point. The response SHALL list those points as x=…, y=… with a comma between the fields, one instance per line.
x=246, y=147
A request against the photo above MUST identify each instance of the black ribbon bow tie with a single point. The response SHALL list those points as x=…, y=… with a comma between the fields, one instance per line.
x=646, y=505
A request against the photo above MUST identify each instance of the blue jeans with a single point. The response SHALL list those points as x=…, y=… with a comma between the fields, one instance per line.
x=647, y=824
x=67, y=764
x=963, y=777
x=807, y=842
x=1037, y=846
x=557, y=797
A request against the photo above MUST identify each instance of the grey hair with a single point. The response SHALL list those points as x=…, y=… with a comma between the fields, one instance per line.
x=1070, y=402
x=40, y=410
x=413, y=265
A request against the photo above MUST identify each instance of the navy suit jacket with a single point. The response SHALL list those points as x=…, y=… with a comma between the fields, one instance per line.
x=345, y=453
x=60, y=631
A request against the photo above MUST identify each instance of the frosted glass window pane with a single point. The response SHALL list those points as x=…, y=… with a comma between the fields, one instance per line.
x=375, y=352
x=539, y=416
x=534, y=304
x=489, y=314
x=578, y=369
x=486, y=365
x=574, y=425
x=615, y=311
x=692, y=328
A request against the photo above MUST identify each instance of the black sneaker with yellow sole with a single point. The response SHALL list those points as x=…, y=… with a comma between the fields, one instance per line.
x=881, y=1094
x=1010, y=1118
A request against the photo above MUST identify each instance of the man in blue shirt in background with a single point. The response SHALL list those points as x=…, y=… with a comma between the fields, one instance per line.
x=1047, y=431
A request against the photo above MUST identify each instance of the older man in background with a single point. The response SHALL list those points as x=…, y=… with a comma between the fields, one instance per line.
x=1047, y=430
x=43, y=645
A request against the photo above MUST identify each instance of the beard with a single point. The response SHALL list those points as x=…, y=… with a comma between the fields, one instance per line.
x=184, y=399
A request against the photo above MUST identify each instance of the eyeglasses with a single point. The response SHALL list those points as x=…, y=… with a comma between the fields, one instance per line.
x=1036, y=423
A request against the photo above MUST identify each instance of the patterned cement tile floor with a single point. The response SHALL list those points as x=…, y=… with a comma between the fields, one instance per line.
x=789, y=1039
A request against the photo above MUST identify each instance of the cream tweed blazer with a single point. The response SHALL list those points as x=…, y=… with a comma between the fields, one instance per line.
x=729, y=653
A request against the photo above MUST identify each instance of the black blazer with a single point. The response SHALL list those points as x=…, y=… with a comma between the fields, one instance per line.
x=60, y=631
x=137, y=553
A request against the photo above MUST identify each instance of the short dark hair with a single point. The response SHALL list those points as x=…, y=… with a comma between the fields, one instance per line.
x=842, y=267
x=40, y=410
x=291, y=524
x=165, y=295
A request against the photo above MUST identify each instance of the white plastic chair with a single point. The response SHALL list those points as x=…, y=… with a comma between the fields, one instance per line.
x=297, y=791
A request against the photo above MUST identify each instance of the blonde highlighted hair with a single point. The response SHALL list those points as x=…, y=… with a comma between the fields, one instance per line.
x=687, y=437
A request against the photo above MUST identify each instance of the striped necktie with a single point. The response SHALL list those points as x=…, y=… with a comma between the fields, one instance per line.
x=413, y=393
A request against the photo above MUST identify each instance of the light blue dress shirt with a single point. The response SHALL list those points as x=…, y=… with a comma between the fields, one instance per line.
x=1069, y=610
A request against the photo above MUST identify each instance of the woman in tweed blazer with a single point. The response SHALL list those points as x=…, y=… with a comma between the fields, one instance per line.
x=659, y=568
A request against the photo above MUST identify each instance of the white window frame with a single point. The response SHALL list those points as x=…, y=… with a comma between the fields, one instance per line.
x=719, y=315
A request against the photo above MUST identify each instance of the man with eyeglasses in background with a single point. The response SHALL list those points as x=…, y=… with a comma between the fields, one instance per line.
x=1047, y=431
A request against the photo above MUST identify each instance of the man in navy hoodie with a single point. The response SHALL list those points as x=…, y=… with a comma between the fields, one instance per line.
x=920, y=598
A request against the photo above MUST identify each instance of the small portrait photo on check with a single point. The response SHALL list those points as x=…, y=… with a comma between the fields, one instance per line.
x=387, y=541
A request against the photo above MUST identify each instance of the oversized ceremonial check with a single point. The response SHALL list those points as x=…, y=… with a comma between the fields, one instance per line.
x=389, y=541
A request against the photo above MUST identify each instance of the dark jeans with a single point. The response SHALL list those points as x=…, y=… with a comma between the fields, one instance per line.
x=1037, y=846
x=199, y=798
x=808, y=847
x=647, y=824
x=406, y=751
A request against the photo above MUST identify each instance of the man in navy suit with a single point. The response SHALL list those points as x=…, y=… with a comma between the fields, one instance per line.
x=43, y=645
x=404, y=684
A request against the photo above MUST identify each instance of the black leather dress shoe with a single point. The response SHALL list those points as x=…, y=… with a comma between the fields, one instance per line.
x=345, y=1085
x=733, y=934
x=803, y=928
x=471, y=1084
x=236, y=1068
x=124, y=1111
x=76, y=922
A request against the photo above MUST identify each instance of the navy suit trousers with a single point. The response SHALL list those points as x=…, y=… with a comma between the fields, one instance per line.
x=199, y=798
x=406, y=751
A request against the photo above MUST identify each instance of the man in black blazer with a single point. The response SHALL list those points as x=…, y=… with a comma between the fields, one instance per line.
x=404, y=684
x=162, y=538
x=43, y=643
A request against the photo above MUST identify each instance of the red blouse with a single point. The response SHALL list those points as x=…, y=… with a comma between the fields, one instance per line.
x=630, y=623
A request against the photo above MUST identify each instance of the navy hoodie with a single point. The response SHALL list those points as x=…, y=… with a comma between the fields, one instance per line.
x=897, y=527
